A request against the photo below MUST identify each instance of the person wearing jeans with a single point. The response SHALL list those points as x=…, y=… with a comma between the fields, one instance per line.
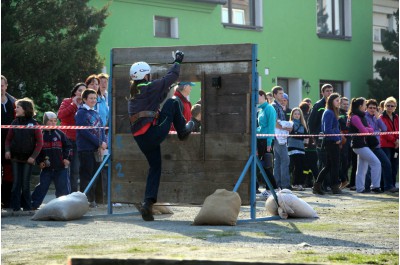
x=374, y=120
x=390, y=142
x=365, y=156
x=281, y=156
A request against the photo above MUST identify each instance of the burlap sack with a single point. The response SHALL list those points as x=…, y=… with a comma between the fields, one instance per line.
x=70, y=207
x=289, y=206
x=220, y=208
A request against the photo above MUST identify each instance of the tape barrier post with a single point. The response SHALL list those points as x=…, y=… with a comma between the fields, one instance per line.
x=253, y=160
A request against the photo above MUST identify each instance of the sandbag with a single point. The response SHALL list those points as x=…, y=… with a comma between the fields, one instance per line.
x=69, y=207
x=289, y=206
x=220, y=208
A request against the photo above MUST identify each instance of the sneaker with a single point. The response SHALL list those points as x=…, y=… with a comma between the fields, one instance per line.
x=117, y=204
x=266, y=194
x=344, y=184
x=353, y=188
x=376, y=190
x=147, y=211
x=297, y=188
x=366, y=191
x=393, y=190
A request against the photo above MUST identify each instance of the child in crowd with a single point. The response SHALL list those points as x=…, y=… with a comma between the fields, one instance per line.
x=89, y=142
x=296, y=148
x=54, y=160
x=196, y=117
x=22, y=147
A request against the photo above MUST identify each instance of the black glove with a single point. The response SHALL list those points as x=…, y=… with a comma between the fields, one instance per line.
x=179, y=57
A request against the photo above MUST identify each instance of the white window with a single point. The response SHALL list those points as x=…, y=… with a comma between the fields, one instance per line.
x=379, y=34
x=242, y=13
x=334, y=18
x=166, y=27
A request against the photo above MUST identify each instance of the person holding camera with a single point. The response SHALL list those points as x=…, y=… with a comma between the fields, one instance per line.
x=150, y=126
x=53, y=159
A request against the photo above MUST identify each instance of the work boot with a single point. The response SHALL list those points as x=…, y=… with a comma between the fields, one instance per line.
x=147, y=211
x=317, y=189
x=336, y=190
x=183, y=135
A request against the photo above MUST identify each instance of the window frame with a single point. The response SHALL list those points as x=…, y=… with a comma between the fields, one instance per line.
x=173, y=31
x=255, y=10
x=344, y=16
x=334, y=83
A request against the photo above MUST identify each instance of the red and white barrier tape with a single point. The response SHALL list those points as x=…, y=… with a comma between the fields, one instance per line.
x=64, y=127
x=325, y=135
x=50, y=127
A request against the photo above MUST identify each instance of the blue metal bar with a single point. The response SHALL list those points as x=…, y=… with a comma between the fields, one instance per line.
x=89, y=186
x=110, y=132
x=254, y=102
x=246, y=167
x=270, y=218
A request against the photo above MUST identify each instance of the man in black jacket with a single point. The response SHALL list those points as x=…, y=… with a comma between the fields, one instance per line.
x=314, y=123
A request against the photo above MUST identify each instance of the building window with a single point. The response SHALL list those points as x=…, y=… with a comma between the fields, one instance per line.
x=338, y=86
x=165, y=27
x=379, y=34
x=334, y=18
x=242, y=13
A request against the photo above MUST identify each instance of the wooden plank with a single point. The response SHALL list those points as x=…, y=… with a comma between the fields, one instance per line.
x=178, y=179
x=126, y=148
x=198, y=54
x=227, y=147
x=175, y=192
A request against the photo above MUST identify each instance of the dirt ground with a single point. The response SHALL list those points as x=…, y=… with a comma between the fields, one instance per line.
x=349, y=227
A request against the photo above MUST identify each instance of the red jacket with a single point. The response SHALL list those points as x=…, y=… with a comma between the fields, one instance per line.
x=392, y=126
x=187, y=107
x=66, y=114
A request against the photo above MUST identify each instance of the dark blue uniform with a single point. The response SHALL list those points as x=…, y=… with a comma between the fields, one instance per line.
x=151, y=95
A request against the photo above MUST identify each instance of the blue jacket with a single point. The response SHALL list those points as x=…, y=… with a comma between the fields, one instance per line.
x=102, y=108
x=89, y=139
x=57, y=147
x=330, y=125
x=266, y=121
x=151, y=95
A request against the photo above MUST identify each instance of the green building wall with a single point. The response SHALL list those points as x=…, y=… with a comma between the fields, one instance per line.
x=288, y=44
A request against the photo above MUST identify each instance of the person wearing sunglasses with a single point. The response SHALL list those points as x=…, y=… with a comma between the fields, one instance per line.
x=390, y=142
x=373, y=118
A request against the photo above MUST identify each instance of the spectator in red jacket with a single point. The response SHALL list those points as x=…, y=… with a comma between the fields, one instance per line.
x=390, y=142
x=182, y=92
x=66, y=114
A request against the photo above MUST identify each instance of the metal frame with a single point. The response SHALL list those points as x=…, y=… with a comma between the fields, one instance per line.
x=253, y=161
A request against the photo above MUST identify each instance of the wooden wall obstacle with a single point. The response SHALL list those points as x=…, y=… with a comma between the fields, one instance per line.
x=213, y=159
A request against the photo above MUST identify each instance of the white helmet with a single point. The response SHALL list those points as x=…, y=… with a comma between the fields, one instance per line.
x=139, y=70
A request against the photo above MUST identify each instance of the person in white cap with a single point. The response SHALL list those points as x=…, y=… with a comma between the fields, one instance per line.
x=150, y=126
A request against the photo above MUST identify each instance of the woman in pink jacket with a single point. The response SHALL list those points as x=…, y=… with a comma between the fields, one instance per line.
x=365, y=156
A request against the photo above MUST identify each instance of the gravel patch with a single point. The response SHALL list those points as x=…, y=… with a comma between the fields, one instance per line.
x=349, y=223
